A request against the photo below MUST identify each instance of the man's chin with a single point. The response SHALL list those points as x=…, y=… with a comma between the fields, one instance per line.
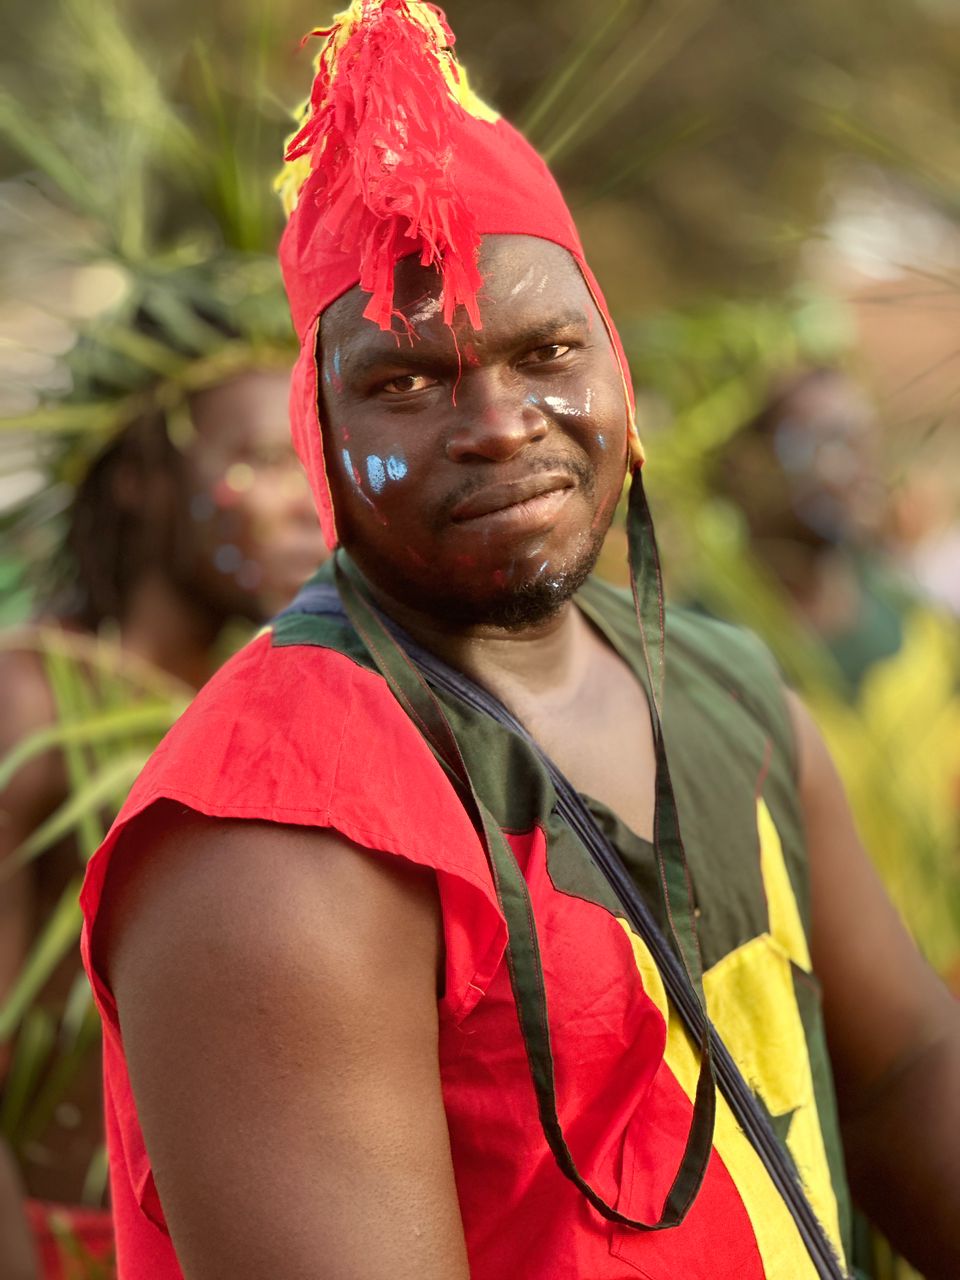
x=517, y=605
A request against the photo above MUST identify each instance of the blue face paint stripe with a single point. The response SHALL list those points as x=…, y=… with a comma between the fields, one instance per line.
x=376, y=473
x=396, y=467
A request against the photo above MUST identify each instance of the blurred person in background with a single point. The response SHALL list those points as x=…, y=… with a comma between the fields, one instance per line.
x=168, y=545
x=803, y=472
x=170, y=521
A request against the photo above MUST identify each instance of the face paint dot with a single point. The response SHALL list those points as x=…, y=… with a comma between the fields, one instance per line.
x=396, y=467
x=601, y=440
x=376, y=473
x=227, y=558
x=202, y=507
x=240, y=477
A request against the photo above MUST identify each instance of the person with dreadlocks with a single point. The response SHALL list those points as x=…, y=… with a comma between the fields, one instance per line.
x=406, y=939
x=169, y=543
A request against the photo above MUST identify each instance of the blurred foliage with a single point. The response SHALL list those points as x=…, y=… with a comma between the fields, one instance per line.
x=163, y=217
x=696, y=139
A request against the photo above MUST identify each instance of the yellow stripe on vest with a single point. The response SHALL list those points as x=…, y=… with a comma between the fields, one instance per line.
x=750, y=996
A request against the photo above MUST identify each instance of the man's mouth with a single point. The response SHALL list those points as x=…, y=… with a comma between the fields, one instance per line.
x=537, y=494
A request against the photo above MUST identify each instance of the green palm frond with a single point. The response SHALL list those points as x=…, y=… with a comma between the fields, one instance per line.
x=100, y=728
x=111, y=711
x=80, y=814
x=34, y=1043
x=161, y=167
x=57, y=937
x=655, y=39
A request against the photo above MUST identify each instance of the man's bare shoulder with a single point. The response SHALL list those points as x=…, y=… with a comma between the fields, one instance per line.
x=276, y=989
x=252, y=892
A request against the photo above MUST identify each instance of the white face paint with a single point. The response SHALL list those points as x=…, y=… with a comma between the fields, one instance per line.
x=426, y=311
x=522, y=283
x=557, y=404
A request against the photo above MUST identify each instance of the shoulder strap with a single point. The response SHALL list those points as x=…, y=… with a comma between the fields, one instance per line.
x=407, y=683
x=388, y=644
x=730, y=1081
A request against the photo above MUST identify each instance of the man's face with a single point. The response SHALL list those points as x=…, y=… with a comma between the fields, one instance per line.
x=474, y=477
x=250, y=522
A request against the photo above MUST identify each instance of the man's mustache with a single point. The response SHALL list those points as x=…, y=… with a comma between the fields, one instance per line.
x=579, y=469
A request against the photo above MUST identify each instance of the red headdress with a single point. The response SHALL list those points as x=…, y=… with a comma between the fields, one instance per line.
x=396, y=155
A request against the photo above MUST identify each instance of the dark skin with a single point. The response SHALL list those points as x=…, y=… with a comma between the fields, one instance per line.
x=282, y=1013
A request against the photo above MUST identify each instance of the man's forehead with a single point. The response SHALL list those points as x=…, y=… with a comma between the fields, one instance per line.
x=529, y=284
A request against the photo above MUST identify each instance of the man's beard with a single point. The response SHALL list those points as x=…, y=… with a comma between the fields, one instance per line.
x=515, y=606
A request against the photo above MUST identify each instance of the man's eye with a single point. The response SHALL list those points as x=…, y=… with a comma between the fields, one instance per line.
x=543, y=355
x=407, y=383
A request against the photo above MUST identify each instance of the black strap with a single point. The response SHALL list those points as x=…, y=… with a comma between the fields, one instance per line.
x=739, y=1095
x=416, y=697
x=323, y=598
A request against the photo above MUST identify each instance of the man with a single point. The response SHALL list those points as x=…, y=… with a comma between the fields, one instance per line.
x=168, y=546
x=804, y=473
x=368, y=1015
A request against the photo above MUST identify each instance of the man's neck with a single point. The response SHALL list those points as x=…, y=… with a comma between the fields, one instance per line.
x=543, y=659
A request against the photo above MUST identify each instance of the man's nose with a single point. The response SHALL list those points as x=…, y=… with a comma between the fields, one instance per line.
x=494, y=420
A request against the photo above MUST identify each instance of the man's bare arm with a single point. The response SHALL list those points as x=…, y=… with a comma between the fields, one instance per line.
x=893, y=1030
x=277, y=994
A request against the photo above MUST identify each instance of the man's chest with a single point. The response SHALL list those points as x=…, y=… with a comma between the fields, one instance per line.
x=601, y=739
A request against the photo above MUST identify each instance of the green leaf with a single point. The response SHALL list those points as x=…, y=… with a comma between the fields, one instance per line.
x=29, y=1063
x=153, y=719
x=20, y=128
x=95, y=1183
x=104, y=790
x=58, y=935
x=72, y=1051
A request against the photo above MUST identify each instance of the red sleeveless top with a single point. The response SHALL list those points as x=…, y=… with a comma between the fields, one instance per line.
x=299, y=730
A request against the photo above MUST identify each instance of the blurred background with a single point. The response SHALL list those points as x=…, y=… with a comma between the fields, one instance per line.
x=769, y=196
